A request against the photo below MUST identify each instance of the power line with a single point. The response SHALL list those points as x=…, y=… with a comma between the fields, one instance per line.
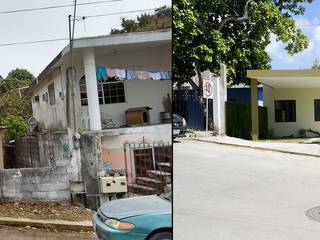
x=34, y=42
x=64, y=39
x=56, y=6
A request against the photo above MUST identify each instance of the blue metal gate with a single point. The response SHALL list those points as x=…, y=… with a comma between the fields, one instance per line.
x=186, y=104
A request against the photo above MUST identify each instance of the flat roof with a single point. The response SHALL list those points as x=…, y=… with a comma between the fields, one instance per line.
x=308, y=78
x=123, y=41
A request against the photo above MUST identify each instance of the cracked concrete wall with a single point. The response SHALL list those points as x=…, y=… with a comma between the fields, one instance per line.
x=92, y=166
x=46, y=183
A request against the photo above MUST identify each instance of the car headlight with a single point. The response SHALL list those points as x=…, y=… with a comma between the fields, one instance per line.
x=184, y=122
x=115, y=224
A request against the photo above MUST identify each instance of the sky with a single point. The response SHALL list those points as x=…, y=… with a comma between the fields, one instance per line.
x=305, y=59
x=53, y=24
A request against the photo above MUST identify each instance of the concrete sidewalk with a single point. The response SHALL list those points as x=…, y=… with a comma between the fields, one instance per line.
x=50, y=224
x=292, y=148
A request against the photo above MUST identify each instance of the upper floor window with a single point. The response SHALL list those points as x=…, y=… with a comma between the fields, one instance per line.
x=110, y=91
x=52, y=98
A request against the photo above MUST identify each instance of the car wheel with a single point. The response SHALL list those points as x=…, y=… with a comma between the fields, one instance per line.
x=161, y=236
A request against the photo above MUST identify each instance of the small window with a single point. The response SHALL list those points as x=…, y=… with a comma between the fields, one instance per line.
x=317, y=109
x=285, y=110
x=45, y=97
x=52, y=99
x=36, y=99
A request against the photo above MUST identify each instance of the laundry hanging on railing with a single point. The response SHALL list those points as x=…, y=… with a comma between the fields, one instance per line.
x=104, y=72
x=154, y=75
x=130, y=74
x=101, y=73
x=121, y=74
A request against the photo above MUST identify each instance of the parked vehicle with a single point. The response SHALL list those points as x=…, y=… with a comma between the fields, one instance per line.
x=139, y=218
x=179, y=126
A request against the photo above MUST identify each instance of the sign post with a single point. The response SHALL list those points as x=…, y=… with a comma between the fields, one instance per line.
x=207, y=93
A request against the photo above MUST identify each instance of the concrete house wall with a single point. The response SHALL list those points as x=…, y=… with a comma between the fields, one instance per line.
x=304, y=109
x=139, y=93
x=51, y=117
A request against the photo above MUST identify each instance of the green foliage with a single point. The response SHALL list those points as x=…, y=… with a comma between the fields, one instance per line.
x=238, y=120
x=20, y=74
x=302, y=133
x=80, y=130
x=12, y=100
x=315, y=65
x=200, y=39
x=17, y=127
x=161, y=19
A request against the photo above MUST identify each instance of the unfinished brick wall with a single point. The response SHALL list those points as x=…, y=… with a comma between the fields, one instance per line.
x=26, y=152
x=43, y=184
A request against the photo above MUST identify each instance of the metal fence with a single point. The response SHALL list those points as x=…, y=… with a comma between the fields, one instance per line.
x=148, y=168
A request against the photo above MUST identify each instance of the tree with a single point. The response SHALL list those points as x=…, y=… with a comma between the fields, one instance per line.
x=12, y=100
x=316, y=64
x=235, y=32
x=20, y=74
x=161, y=19
x=16, y=78
x=17, y=127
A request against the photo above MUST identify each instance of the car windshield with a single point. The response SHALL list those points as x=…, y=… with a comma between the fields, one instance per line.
x=176, y=118
x=166, y=196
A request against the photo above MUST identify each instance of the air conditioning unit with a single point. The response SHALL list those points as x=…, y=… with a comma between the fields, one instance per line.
x=113, y=184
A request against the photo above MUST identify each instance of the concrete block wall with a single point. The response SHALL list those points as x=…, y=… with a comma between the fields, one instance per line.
x=42, y=184
x=26, y=152
x=34, y=184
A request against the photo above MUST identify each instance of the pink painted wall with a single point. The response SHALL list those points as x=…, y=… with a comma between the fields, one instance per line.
x=117, y=158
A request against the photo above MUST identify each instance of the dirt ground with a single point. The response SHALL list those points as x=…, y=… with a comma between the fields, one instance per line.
x=46, y=211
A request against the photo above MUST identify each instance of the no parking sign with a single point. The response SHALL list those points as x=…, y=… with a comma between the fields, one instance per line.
x=207, y=89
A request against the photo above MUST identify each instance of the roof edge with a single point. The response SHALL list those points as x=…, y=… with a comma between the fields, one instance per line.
x=283, y=73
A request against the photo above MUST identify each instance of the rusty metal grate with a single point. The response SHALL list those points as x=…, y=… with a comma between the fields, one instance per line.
x=148, y=167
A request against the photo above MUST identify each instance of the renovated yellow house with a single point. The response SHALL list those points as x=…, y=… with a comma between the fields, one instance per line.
x=292, y=98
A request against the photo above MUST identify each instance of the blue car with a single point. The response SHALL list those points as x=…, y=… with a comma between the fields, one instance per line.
x=139, y=218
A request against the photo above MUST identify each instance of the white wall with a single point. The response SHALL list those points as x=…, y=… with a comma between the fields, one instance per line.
x=304, y=109
x=139, y=93
x=52, y=117
x=149, y=134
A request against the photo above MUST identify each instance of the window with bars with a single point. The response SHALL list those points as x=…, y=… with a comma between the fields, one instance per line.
x=108, y=92
x=285, y=110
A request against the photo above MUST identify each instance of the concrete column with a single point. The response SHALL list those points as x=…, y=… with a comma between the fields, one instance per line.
x=92, y=90
x=254, y=110
x=219, y=101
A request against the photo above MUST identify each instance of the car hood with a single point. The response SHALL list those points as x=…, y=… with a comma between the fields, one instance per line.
x=129, y=207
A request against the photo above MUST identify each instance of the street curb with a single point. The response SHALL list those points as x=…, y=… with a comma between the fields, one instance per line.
x=257, y=148
x=53, y=224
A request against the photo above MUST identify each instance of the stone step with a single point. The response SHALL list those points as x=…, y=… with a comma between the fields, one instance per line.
x=147, y=181
x=143, y=190
x=164, y=166
x=160, y=175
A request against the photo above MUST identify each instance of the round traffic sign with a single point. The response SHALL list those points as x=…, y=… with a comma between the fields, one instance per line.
x=207, y=89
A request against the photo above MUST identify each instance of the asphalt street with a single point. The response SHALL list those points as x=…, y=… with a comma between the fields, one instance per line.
x=15, y=233
x=232, y=193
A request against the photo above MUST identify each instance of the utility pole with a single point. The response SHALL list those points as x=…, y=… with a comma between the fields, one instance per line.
x=70, y=84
